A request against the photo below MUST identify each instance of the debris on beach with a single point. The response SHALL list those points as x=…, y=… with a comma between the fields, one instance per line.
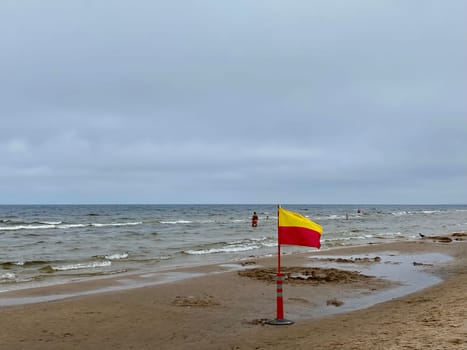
x=441, y=239
x=336, y=302
x=421, y=264
x=459, y=236
x=456, y=236
x=351, y=260
x=258, y=321
x=306, y=275
x=189, y=301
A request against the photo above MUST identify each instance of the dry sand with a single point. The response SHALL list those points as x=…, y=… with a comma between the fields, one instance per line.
x=227, y=310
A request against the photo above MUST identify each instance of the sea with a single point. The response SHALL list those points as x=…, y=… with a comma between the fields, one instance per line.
x=53, y=244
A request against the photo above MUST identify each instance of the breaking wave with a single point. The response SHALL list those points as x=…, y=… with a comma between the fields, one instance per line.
x=60, y=225
x=79, y=266
x=233, y=247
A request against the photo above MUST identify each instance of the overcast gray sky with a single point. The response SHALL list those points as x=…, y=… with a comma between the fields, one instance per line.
x=233, y=101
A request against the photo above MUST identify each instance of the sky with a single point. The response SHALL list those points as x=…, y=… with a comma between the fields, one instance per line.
x=207, y=101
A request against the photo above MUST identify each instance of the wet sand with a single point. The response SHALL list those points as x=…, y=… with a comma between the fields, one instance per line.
x=352, y=298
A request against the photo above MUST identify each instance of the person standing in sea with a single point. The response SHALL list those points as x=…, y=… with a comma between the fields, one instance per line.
x=254, y=220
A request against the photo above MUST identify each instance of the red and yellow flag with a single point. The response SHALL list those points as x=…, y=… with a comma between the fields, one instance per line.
x=295, y=229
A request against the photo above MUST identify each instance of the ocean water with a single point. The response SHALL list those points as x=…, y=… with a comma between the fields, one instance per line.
x=49, y=244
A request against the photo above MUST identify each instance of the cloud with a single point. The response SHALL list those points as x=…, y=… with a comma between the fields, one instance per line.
x=233, y=102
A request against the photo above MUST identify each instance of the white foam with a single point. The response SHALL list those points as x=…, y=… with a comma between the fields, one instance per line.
x=117, y=224
x=177, y=222
x=25, y=227
x=83, y=266
x=231, y=249
x=59, y=224
x=164, y=257
x=72, y=225
x=336, y=217
x=7, y=276
x=117, y=256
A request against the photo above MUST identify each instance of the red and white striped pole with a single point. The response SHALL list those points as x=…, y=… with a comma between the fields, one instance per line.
x=280, y=320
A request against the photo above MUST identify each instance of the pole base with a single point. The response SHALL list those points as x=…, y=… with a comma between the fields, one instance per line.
x=280, y=322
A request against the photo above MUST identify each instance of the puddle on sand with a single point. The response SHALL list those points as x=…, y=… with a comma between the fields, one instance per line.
x=393, y=266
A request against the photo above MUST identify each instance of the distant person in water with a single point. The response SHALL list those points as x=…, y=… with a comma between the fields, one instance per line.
x=254, y=220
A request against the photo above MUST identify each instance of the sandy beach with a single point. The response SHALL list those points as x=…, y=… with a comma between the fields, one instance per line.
x=404, y=295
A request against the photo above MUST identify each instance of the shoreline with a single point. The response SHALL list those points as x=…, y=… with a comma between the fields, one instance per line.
x=54, y=244
x=173, y=273
x=169, y=274
x=213, y=307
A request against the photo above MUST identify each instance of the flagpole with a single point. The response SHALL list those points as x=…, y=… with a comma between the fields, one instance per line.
x=278, y=245
x=279, y=320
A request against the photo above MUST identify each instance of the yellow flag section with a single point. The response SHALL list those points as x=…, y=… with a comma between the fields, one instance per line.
x=295, y=229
